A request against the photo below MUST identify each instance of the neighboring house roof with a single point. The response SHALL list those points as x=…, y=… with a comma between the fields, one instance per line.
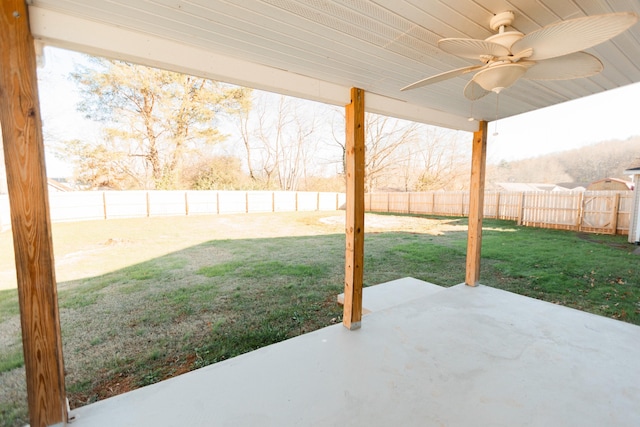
x=529, y=186
x=573, y=186
x=633, y=168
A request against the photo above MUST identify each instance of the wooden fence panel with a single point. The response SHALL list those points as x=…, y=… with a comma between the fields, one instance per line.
x=422, y=203
x=624, y=212
x=378, y=202
x=491, y=204
x=509, y=205
x=399, y=202
x=594, y=212
x=551, y=210
x=451, y=203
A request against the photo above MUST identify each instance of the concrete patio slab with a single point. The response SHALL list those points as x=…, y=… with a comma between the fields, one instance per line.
x=460, y=357
x=395, y=292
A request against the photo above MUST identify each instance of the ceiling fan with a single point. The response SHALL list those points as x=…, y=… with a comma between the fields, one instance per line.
x=553, y=52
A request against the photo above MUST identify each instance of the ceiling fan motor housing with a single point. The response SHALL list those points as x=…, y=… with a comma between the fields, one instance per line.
x=501, y=20
x=503, y=38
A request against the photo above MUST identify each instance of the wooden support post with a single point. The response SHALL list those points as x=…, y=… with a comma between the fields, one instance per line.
x=476, y=204
x=30, y=221
x=354, y=253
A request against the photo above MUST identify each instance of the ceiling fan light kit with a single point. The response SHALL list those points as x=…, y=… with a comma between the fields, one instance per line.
x=500, y=76
x=553, y=52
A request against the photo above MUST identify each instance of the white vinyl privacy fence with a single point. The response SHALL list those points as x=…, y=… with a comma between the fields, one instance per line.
x=89, y=205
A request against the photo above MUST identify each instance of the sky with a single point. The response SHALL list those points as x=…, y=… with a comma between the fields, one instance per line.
x=612, y=115
x=607, y=116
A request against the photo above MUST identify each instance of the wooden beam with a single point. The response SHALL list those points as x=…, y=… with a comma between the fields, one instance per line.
x=30, y=222
x=354, y=253
x=476, y=204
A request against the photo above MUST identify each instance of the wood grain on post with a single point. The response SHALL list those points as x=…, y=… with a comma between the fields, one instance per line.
x=354, y=253
x=30, y=222
x=476, y=204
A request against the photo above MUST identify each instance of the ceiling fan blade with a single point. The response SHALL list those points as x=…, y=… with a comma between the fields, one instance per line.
x=574, y=35
x=472, y=48
x=474, y=91
x=442, y=76
x=572, y=66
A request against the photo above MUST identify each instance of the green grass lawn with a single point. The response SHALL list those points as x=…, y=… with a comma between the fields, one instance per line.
x=190, y=305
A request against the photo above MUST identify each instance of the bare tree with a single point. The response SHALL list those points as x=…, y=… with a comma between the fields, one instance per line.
x=444, y=160
x=409, y=156
x=279, y=135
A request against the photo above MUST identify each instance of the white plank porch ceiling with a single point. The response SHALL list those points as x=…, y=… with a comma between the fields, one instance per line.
x=318, y=49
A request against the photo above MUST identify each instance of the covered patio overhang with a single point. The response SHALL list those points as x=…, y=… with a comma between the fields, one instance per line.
x=356, y=53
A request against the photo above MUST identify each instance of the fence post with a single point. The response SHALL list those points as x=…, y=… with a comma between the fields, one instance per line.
x=388, y=202
x=246, y=202
x=148, y=207
x=408, y=203
x=104, y=203
x=218, y=202
x=318, y=201
x=616, y=208
x=521, y=208
x=433, y=202
x=497, y=205
x=580, y=211
x=296, y=202
x=186, y=203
